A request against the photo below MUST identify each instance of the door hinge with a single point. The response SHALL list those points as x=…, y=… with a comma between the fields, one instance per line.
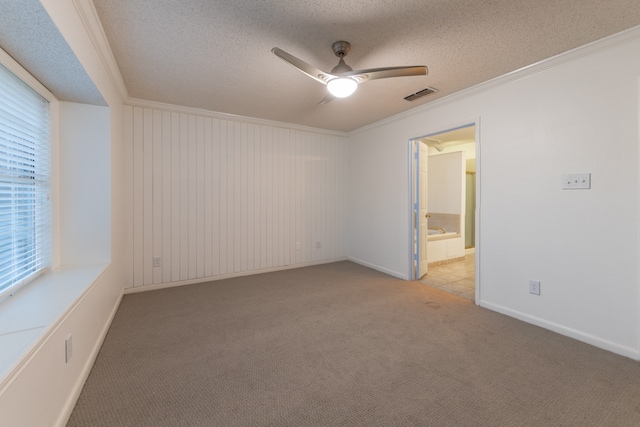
x=416, y=155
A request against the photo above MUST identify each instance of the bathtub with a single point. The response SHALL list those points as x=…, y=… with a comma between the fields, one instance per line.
x=443, y=246
x=437, y=233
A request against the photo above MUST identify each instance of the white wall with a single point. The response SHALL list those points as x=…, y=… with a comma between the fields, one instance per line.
x=85, y=198
x=575, y=113
x=43, y=389
x=215, y=197
x=576, y=116
x=469, y=150
x=446, y=183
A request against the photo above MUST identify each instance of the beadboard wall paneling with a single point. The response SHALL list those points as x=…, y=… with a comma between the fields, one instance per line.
x=214, y=197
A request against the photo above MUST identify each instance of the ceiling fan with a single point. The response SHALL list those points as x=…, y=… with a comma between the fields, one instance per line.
x=342, y=81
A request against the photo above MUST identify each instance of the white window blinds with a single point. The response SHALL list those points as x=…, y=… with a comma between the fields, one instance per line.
x=25, y=214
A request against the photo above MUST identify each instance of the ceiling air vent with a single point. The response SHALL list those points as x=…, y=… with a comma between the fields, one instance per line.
x=424, y=92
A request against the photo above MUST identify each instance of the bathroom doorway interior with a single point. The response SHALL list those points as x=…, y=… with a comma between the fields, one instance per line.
x=449, y=243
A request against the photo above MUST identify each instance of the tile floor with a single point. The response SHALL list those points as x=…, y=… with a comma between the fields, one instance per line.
x=455, y=277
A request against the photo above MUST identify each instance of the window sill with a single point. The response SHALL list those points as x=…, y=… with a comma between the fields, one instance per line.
x=28, y=317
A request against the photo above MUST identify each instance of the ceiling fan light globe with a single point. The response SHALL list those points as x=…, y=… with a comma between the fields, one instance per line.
x=342, y=87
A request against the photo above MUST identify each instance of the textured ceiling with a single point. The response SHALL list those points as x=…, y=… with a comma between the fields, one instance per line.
x=28, y=34
x=216, y=55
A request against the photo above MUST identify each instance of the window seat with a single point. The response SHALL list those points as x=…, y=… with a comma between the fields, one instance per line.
x=28, y=317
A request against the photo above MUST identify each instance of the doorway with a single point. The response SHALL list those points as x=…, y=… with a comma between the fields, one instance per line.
x=444, y=227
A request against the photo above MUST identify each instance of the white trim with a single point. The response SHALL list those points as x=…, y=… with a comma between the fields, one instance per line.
x=135, y=102
x=380, y=269
x=638, y=222
x=592, y=48
x=478, y=212
x=70, y=404
x=436, y=130
x=145, y=288
x=413, y=149
x=12, y=65
x=89, y=16
x=632, y=353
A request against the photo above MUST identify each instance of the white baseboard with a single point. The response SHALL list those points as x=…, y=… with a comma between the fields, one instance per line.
x=228, y=276
x=632, y=353
x=380, y=269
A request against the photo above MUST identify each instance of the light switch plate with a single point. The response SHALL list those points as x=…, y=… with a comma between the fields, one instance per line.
x=576, y=181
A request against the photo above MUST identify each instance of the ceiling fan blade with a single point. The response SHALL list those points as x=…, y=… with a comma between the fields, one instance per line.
x=327, y=99
x=302, y=66
x=386, y=72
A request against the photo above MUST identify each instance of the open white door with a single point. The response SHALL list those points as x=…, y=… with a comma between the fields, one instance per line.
x=422, y=211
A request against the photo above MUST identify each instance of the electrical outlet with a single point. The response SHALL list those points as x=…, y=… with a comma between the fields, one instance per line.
x=157, y=261
x=298, y=247
x=318, y=244
x=534, y=287
x=68, y=348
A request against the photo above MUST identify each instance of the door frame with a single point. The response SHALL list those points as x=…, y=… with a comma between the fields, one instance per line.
x=412, y=178
x=418, y=236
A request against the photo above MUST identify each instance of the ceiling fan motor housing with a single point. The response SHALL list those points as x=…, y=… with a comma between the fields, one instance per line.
x=341, y=48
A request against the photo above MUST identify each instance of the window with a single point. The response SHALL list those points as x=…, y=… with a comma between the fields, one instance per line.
x=25, y=213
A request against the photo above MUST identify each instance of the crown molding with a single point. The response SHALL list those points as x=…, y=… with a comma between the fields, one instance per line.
x=592, y=48
x=89, y=17
x=135, y=102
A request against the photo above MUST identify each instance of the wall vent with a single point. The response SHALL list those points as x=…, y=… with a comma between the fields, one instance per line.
x=424, y=92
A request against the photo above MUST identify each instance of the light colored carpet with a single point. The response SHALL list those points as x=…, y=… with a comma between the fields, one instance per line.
x=343, y=345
